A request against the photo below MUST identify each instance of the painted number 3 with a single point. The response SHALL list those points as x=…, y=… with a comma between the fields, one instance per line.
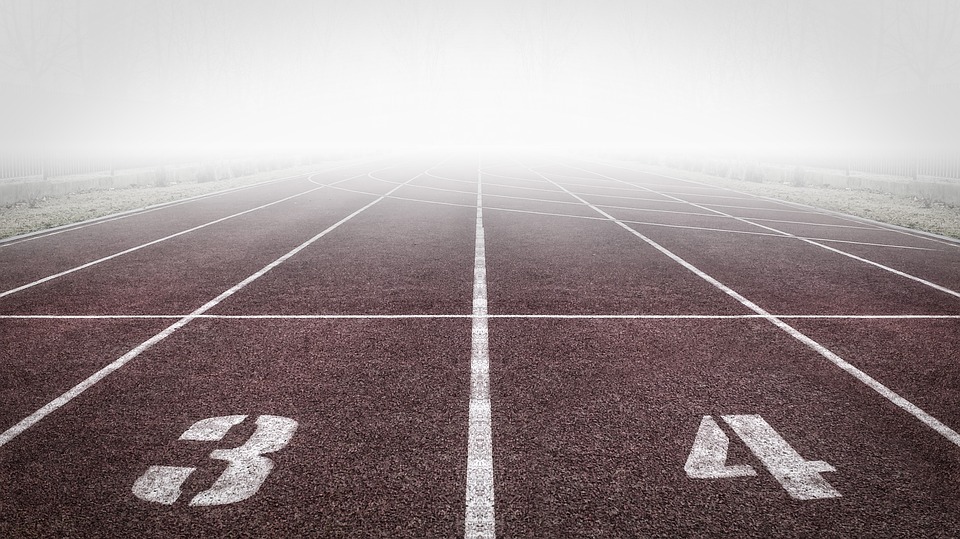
x=245, y=473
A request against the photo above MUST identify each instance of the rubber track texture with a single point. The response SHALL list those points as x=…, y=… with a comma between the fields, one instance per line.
x=604, y=355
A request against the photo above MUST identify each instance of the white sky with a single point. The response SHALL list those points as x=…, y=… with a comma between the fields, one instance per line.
x=693, y=74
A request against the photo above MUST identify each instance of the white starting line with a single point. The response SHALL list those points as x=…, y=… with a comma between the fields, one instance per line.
x=572, y=316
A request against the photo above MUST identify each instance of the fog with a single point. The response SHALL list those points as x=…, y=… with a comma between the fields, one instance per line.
x=705, y=75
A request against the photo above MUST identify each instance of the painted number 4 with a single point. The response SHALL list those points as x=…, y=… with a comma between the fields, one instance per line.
x=245, y=473
x=800, y=478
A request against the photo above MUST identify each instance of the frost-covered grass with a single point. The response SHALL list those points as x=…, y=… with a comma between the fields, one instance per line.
x=910, y=212
x=44, y=213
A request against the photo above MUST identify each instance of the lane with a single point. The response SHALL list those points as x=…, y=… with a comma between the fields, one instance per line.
x=793, y=277
x=396, y=258
x=595, y=420
x=941, y=267
x=41, y=358
x=539, y=265
x=381, y=415
x=916, y=358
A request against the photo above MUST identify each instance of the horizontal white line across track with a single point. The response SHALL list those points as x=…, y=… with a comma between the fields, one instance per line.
x=572, y=316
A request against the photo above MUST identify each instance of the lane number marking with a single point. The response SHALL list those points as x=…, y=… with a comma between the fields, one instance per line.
x=245, y=474
x=800, y=478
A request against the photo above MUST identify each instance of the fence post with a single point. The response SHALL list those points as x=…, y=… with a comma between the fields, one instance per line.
x=916, y=167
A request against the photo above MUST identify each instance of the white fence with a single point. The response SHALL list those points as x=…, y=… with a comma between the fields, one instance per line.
x=937, y=166
x=929, y=167
x=30, y=166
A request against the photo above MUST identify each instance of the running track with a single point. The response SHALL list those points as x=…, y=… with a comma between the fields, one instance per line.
x=511, y=346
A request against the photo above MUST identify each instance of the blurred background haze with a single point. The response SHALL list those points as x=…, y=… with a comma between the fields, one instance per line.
x=705, y=75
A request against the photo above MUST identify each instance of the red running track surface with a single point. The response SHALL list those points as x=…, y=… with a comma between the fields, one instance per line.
x=636, y=327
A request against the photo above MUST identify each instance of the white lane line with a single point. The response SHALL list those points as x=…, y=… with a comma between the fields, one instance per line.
x=72, y=393
x=863, y=377
x=652, y=316
x=827, y=225
x=14, y=240
x=479, y=520
x=171, y=236
x=903, y=274
x=869, y=244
